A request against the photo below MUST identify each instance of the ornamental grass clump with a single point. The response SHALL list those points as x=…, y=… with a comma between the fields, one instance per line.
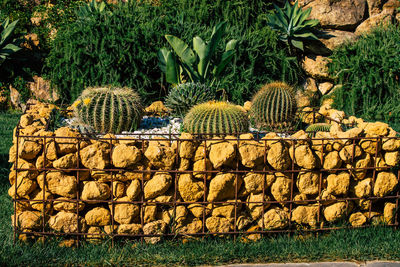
x=216, y=117
x=109, y=109
x=274, y=106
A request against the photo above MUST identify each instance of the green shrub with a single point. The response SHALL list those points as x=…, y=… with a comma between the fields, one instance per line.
x=369, y=72
x=216, y=118
x=184, y=96
x=109, y=109
x=121, y=48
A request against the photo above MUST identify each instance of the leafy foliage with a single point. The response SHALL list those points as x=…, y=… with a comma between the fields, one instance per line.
x=369, y=72
x=196, y=65
x=121, y=48
x=8, y=44
x=292, y=25
x=184, y=96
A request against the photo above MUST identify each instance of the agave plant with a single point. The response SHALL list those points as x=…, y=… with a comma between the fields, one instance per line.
x=8, y=44
x=293, y=25
x=91, y=8
x=195, y=65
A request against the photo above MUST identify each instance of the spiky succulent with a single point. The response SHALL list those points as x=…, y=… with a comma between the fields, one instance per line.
x=274, y=106
x=216, y=118
x=8, y=44
x=318, y=127
x=184, y=96
x=109, y=109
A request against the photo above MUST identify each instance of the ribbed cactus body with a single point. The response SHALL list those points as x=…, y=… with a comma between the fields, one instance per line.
x=109, y=109
x=184, y=96
x=216, y=118
x=318, y=127
x=274, y=106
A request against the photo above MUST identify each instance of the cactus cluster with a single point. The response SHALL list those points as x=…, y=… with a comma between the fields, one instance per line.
x=216, y=118
x=184, y=96
x=274, y=106
x=109, y=109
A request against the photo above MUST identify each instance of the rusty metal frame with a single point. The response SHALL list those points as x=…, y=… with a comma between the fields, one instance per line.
x=175, y=172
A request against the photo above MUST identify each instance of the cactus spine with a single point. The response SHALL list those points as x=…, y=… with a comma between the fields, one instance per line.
x=318, y=127
x=216, y=118
x=184, y=96
x=109, y=109
x=274, y=106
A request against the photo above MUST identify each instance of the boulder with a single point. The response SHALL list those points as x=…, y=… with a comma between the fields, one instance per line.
x=187, y=148
x=305, y=215
x=335, y=211
x=161, y=157
x=29, y=149
x=200, y=166
x=150, y=213
x=133, y=190
x=58, y=183
x=157, y=108
x=308, y=182
x=280, y=189
x=363, y=188
x=226, y=210
x=325, y=87
x=346, y=153
x=223, y=186
x=218, y=224
x=389, y=212
x=37, y=200
x=330, y=40
x=274, y=219
x=40, y=88
x=65, y=145
x=198, y=209
x=24, y=186
x=96, y=156
x=154, y=228
x=357, y=219
x=251, y=153
x=338, y=184
x=332, y=160
x=305, y=157
x=68, y=161
x=157, y=185
x=392, y=158
x=374, y=21
x=28, y=220
x=118, y=189
x=255, y=205
x=254, y=182
x=341, y=14
x=129, y=229
x=374, y=7
x=189, y=188
x=64, y=204
x=375, y=129
x=316, y=66
x=385, y=183
x=67, y=222
x=125, y=156
x=278, y=156
x=363, y=162
x=94, y=190
x=98, y=217
x=222, y=153
x=192, y=227
x=124, y=213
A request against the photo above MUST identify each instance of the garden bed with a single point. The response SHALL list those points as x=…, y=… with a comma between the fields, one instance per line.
x=196, y=185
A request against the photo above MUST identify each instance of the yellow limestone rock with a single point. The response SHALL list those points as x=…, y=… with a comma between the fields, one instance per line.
x=389, y=212
x=252, y=153
x=335, y=211
x=223, y=186
x=66, y=222
x=134, y=190
x=66, y=145
x=29, y=149
x=218, y=224
x=66, y=162
x=338, y=184
x=154, y=228
x=280, y=189
x=255, y=205
x=124, y=213
x=94, y=190
x=125, y=156
x=161, y=157
x=278, y=156
x=332, y=160
x=157, y=185
x=98, y=217
x=305, y=215
x=130, y=229
x=189, y=188
x=96, y=156
x=305, y=157
x=308, y=182
x=357, y=219
x=63, y=204
x=385, y=183
x=274, y=219
x=28, y=220
x=200, y=166
x=254, y=182
x=187, y=148
x=363, y=188
x=61, y=184
x=222, y=153
x=392, y=158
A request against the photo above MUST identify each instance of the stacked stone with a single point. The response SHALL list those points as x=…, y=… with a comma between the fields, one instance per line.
x=97, y=186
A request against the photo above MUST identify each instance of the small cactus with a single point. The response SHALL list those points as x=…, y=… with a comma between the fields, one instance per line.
x=274, y=106
x=184, y=96
x=109, y=109
x=318, y=127
x=216, y=118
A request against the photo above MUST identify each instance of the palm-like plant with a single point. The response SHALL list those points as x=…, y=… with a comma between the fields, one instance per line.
x=292, y=25
x=8, y=45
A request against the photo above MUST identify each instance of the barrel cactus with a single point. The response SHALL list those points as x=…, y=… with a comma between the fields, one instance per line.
x=274, y=106
x=109, y=109
x=184, y=96
x=216, y=118
x=318, y=127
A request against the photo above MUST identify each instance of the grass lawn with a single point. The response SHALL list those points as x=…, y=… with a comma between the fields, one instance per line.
x=355, y=245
